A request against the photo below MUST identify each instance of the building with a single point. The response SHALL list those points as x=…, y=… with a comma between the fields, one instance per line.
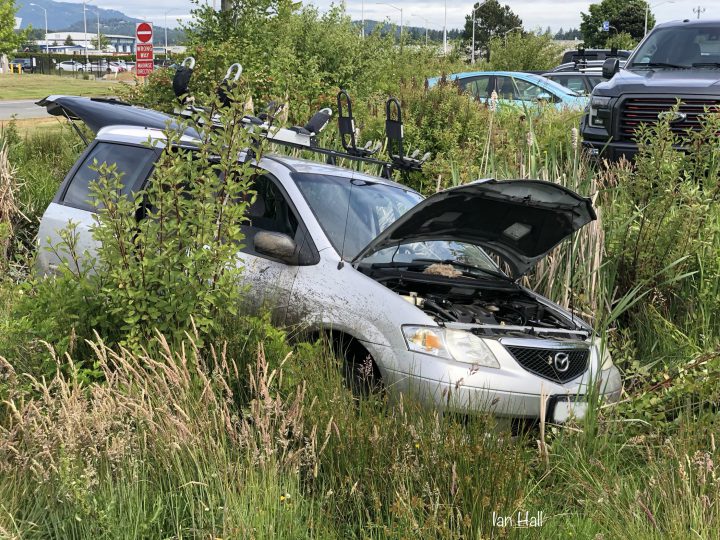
x=55, y=42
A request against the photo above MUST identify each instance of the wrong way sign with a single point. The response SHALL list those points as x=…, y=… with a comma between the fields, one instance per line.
x=144, y=56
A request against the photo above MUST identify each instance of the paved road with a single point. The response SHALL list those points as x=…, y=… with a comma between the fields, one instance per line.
x=23, y=108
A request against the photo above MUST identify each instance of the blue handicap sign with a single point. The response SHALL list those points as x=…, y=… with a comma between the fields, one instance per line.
x=606, y=26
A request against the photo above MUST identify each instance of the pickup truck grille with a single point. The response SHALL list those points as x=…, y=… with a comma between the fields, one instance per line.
x=542, y=362
x=644, y=111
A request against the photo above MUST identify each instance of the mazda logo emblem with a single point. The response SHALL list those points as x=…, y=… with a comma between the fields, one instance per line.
x=562, y=362
x=672, y=116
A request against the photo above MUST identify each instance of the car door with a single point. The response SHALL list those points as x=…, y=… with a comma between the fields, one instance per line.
x=73, y=207
x=268, y=280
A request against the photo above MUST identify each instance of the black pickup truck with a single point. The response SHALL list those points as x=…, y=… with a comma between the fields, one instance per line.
x=677, y=61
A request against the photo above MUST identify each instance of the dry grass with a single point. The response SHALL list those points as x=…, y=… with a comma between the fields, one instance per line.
x=9, y=210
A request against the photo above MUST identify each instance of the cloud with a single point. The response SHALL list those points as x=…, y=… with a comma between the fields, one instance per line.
x=534, y=13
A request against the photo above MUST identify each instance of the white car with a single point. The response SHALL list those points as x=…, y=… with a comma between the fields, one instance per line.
x=73, y=65
x=405, y=283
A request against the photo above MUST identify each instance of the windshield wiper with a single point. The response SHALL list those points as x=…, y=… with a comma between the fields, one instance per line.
x=471, y=268
x=706, y=64
x=660, y=65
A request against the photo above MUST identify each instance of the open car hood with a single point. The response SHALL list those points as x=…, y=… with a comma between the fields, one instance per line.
x=98, y=113
x=518, y=220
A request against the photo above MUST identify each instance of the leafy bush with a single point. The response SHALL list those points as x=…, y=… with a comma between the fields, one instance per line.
x=520, y=51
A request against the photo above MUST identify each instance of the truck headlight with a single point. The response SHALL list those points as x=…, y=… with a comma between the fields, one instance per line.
x=459, y=345
x=599, y=111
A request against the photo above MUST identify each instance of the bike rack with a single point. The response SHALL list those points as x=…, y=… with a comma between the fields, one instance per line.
x=346, y=126
x=305, y=137
x=181, y=79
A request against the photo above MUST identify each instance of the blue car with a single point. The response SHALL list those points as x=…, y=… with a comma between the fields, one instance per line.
x=516, y=89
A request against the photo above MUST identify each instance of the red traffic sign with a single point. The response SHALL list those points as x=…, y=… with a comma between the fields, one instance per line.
x=143, y=68
x=144, y=51
x=144, y=32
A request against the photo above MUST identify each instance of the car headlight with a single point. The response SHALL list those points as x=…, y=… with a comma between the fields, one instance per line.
x=459, y=345
x=607, y=362
x=599, y=110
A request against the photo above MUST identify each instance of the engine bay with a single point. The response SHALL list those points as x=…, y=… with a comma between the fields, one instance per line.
x=498, y=307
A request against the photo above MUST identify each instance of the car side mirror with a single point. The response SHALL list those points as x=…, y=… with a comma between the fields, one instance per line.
x=276, y=245
x=544, y=97
x=610, y=67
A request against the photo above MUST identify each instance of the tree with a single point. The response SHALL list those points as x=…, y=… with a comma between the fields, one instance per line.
x=9, y=38
x=491, y=19
x=69, y=41
x=524, y=52
x=104, y=42
x=625, y=17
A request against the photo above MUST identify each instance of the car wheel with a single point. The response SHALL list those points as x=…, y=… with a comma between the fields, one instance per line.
x=359, y=371
x=80, y=70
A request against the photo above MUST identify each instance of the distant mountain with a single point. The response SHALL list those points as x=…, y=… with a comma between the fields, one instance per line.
x=417, y=32
x=62, y=15
x=66, y=16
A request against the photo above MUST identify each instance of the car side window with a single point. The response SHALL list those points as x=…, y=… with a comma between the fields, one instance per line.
x=271, y=211
x=506, y=88
x=133, y=163
x=575, y=83
x=477, y=87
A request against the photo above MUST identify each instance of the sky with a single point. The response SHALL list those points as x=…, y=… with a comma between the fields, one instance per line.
x=430, y=13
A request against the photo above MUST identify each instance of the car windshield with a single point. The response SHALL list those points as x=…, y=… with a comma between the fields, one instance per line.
x=461, y=255
x=679, y=47
x=352, y=212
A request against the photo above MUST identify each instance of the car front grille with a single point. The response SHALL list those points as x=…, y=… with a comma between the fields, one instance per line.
x=637, y=112
x=542, y=362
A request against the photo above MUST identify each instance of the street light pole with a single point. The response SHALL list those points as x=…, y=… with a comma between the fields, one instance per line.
x=85, y=31
x=166, y=28
x=401, y=18
x=445, y=31
x=474, y=24
x=647, y=11
x=99, y=46
x=427, y=24
x=47, y=51
x=362, y=17
x=505, y=34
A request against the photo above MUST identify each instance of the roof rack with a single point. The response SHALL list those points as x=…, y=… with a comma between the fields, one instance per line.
x=305, y=137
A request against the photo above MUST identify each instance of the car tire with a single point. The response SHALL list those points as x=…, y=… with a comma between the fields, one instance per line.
x=359, y=371
x=80, y=70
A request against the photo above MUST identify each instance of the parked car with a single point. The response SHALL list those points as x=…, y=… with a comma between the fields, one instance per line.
x=580, y=82
x=73, y=65
x=405, y=283
x=515, y=89
x=677, y=61
x=24, y=63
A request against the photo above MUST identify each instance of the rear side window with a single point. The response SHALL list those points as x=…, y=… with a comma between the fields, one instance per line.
x=477, y=87
x=133, y=163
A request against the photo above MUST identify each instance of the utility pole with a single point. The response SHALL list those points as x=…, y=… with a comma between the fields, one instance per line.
x=362, y=17
x=473, y=37
x=699, y=10
x=445, y=31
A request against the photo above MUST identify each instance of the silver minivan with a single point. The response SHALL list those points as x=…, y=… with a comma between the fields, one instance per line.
x=407, y=284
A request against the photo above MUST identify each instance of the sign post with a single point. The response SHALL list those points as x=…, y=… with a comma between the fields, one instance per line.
x=145, y=60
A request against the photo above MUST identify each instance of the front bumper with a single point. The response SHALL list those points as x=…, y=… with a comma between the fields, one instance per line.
x=610, y=151
x=447, y=396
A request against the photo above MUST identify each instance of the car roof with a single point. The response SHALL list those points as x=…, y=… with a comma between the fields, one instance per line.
x=529, y=77
x=689, y=22
x=140, y=135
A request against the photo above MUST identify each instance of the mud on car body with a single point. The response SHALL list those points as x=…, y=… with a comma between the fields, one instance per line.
x=408, y=281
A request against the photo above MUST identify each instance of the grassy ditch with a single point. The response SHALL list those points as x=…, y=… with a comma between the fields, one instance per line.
x=243, y=432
